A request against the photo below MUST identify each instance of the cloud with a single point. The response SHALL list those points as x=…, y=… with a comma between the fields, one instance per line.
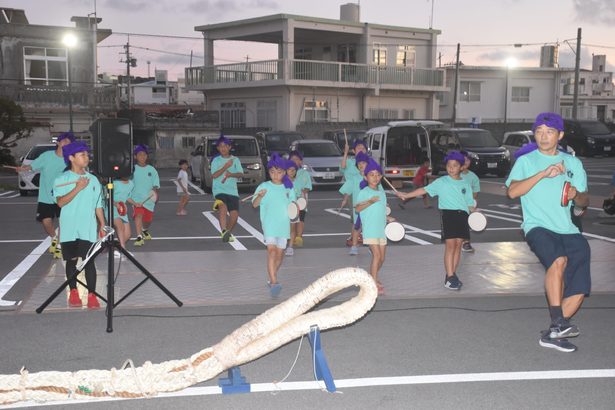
x=595, y=11
x=531, y=57
x=127, y=5
x=216, y=9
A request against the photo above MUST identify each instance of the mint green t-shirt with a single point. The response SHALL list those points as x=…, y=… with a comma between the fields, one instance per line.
x=145, y=179
x=473, y=180
x=78, y=217
x=302, y=181
x=229, y=186
x=373, y=218
x=274, y=209
x=50, y=167
x=542, y=204
x=351, y=169
x=122, y=190
x=453, y=194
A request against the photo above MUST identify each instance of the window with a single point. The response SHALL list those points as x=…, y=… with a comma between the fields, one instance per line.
x=316, y=111
x=188, y=142
x=406, y=56
x=233, y=115
x=45, y=66
x=469, y=91
x=303, y=53
x=379, y=54
x=166, y=142
x=520, y=94
x=159, y=92
x=346, y=53
x=266, y=114
x=383, y=113
x=376, y=142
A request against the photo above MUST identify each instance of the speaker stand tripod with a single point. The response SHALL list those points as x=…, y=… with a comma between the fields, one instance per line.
x=109, y=244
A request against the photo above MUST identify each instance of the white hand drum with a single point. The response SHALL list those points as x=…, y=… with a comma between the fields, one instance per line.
x=394, y=231
x=388, y=210
x=477, y=221
x=301, y=203
x=293, y=212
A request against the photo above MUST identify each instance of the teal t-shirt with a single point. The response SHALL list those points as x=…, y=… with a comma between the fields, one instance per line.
x=453, y=194
x=122, y=190
x=542, y=204
x=145, y=179
x=78, y=217
x=351, y=170
x=229, y=186
x=50, y=167
x=473, y=180
x=302, y=181
x=274, y=209
x=373, y=218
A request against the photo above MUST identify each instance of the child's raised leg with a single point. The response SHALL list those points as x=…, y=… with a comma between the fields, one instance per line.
x=222, y=210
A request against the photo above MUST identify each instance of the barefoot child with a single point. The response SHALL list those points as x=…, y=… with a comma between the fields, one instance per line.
x=146, y=179
x=273, y=197
x=454, y=201
x=79, y=195
x=302, y=184
x=182, y=188
x=371, y=206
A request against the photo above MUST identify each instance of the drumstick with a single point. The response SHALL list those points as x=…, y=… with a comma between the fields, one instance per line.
x=391, y=185
x=345, y=136
x=248, y=197
x=67, y=183
x=9, y=166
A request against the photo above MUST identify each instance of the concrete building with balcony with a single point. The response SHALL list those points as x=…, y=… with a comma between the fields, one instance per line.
x=35, y=68
x=326, y=71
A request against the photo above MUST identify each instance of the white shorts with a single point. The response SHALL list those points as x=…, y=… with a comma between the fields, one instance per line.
x=276, y=241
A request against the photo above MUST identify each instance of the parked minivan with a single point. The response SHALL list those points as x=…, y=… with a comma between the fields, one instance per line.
x=399, y=147
x=244, y=147
x=277, y=141
x=339, y=138
x=589, y=138
x=488, y=156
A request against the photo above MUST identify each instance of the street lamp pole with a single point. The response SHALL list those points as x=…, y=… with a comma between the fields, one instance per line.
x=69, y=41
x=510, y=63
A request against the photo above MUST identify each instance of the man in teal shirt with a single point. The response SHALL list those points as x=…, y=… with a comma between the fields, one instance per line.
x=538, y=178
x=51, y=165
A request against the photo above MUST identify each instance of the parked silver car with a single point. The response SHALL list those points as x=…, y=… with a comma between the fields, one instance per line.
x=516, y=139
x=28, y=181
x=322, y=159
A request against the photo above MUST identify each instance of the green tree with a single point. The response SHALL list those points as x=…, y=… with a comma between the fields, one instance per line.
x=13, y=127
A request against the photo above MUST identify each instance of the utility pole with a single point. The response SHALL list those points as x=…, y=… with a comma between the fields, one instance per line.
x=130, y=62
x=577, y=68
x=454, y=117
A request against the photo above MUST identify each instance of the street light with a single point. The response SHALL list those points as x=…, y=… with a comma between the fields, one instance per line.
x=510, y=63
x=70, y=41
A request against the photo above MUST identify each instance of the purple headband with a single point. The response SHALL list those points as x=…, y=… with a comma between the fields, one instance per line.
x=223, y=140
x=276, y=161
x=66, y=135
x=455, y=156
x=140, y=148
x=72, y=149
x=550, y=119
x=361, y=157
x=532, y=146
x=295, y=153
x=359, y=142
x=372, y=166
x=291, y=164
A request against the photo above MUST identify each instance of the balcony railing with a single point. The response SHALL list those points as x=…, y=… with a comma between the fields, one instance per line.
x=308, y=70
x=56, y=96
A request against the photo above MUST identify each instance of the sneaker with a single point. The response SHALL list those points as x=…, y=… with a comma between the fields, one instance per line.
x=298, y=241
x=563, y=345
x=353, y=251
x=467, y=247
x=231, y=238
x=117, y=254
x=146, y=235
x=57, y=254
x=93, y=301
x=274, y=289
x=73, y=298
x=139, y=241
x=452, y=282
x=52, y=248
x=226, y=235
x=289, y=252
x=563, y=331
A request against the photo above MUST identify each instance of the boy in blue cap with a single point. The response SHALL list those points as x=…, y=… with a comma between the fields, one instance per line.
x=538, y=178
x=51, y=165
x=79, y=194
x=146, y=180
x=273, y=198
x=225, y=170
x=455, y=201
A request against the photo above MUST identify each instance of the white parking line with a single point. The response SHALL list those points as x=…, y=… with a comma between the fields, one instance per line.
x=255, y=232
x=214, y=221
x=196, y=188
x=6, y=193
x=13, y=277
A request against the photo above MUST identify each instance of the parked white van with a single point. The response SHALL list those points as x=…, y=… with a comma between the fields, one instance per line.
x=399, y=147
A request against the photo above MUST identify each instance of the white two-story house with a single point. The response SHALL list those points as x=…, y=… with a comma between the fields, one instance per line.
x=326, y=70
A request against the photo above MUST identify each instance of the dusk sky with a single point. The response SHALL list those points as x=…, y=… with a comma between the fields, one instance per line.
x=486, y=29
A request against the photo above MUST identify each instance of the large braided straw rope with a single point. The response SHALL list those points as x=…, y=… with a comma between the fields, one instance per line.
x=263, y=334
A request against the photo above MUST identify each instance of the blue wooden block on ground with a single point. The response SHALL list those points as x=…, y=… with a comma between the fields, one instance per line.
x=322, y=368
x=234, y=383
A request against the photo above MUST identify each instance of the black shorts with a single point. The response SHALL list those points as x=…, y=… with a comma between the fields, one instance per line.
x=44, y=211
x=548, y=246
x=302, y=215
x=231, y=201
x=75, y=249
x=454, y=224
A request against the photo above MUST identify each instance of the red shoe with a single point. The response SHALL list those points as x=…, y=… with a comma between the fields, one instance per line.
x=73, y=299
x=93, y=301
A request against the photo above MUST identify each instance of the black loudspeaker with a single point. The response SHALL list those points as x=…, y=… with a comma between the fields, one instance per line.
x=112, y=147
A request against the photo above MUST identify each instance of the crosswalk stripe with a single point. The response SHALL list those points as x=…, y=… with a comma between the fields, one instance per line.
x=6, y=193
x=255, y=232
